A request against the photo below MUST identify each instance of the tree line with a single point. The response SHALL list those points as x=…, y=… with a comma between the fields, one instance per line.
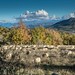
x=39, y=36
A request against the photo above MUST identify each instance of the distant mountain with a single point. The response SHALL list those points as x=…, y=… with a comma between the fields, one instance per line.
x=31, y=24
x=6, y=24
x=65, y=25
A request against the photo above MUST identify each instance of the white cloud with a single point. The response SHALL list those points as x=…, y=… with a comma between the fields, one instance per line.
x=71, y=15
x=37, y=15
x=41, y=13
x=54, y=17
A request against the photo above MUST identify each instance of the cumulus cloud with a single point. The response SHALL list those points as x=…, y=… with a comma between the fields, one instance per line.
x=41, y=13
x=38, y=15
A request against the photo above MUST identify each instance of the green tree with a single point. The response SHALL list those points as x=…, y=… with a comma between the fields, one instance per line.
x=38, y=35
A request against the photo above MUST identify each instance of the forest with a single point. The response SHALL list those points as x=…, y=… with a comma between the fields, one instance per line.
x=20, y=34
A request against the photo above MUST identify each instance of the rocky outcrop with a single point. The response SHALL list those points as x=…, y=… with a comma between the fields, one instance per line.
x=61, y=55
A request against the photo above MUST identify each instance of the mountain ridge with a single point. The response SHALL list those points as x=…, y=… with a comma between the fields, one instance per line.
x=65, y=25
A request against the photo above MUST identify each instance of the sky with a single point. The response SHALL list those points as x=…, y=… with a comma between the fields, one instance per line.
x=14, y=8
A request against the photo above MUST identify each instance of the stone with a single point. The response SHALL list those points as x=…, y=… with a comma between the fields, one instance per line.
x=70, y=52
x=47, y=54
x=8, y=56
x=5, y=47
x=45, y=49
x=16, y=48
x=38, y=60
x=39, y=53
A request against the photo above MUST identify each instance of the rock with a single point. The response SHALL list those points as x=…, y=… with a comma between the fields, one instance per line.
x=38, y=60
x=54, y=74
x=16, y=48
x=8, y=57
x=45, y=49
x=53, y=55
x=47, y=54
x=69, y=52
x=5, y=47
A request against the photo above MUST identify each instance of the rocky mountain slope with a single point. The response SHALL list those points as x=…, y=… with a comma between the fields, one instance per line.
x=65, y=25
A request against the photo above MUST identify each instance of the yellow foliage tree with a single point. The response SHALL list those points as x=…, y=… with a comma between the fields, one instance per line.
x=20, y=35
x=55, y=37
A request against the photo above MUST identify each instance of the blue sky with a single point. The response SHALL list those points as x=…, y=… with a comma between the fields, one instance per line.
x=13, y=8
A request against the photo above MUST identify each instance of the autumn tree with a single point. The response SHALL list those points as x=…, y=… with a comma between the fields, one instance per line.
x=55, y=37
x=68, y=38
x=72, y=40
x=3, y=35
x=20, y=34
x=40, y=35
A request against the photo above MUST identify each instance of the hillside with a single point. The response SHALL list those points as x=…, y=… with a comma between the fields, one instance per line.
x=65, y=25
